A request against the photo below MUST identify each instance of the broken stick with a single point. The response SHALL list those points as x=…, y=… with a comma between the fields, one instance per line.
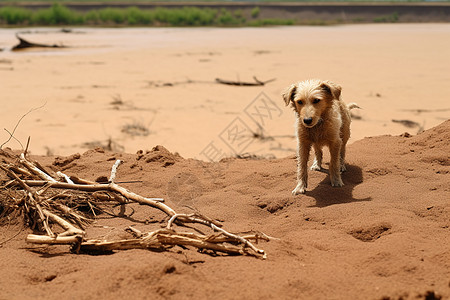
x=240, y=83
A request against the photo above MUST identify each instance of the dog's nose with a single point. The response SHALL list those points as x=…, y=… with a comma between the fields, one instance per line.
x=307, y=121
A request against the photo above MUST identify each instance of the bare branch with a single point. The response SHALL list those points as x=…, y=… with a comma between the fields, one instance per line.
x=17, y=125
x=114, y=170
x=241, y=83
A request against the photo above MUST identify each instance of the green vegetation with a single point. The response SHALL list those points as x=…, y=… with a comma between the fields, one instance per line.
x=14, y=15
x=392, y=18
x=270, y=22
x=255, y=12
x=59, y=14
x=55, y=15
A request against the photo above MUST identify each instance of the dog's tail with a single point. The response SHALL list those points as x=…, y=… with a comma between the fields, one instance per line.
x=352, y=105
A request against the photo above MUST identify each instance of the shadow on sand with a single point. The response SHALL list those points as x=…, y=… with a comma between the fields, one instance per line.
x=325, y=195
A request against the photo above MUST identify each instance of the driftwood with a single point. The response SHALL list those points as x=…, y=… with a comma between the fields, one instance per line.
x=218, y=80
x=24, y=44
x=410, y=124
x=241, y=83
x=37, y=193
x=407, y=123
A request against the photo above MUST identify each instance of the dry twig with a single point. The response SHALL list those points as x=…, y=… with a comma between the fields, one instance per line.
x=241, y=83
x=43, y=210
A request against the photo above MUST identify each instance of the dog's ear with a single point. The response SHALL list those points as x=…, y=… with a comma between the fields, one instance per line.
x=332, y=88
x=289, y=94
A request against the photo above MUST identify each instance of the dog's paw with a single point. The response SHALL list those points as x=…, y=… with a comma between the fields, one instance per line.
x=299, y=189
x=316, y=167
x=337, y=182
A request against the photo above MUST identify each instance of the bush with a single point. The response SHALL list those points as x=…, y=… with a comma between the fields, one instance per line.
x=186, y=16
x=392, y=18
x=226, y=18
x=14, y=15
x=92, y=17
x=205, y=16
x=112, y=15
x=239, y=15
x=135, y=16
x=57, y=14
x=255, y=12
x=271, y=22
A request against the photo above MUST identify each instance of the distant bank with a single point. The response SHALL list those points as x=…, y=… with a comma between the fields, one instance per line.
x=311, y=13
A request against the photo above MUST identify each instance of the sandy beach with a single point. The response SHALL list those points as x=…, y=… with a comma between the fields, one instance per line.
x=161, y=82
x=113, y=92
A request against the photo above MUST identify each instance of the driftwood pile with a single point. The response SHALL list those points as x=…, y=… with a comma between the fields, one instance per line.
x=45, y=199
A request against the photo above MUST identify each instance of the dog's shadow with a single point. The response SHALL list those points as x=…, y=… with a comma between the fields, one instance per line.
x=326, y=195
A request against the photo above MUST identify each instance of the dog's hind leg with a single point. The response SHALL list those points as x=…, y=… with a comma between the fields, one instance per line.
x=342, y=159
x=345, y=138
x=335, y=164
x=317, y=164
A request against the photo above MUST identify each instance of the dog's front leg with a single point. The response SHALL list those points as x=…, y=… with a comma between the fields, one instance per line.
x=317, y=164
x=302, y=168
x=335, y=164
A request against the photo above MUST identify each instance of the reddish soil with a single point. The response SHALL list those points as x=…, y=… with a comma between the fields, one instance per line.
x=384, y=235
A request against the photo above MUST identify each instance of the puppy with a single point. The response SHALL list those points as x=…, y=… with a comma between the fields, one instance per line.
x=322, y=120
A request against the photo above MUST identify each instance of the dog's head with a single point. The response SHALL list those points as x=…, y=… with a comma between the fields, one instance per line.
x=310, y=99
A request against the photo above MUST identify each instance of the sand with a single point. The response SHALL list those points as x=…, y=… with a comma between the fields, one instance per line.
x=384, y=235
x=394, y=72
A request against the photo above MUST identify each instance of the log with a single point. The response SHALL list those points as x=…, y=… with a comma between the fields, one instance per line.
x=24, y=44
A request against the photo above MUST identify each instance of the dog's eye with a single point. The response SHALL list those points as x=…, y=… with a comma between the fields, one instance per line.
x=316, y=101
x=300, y=102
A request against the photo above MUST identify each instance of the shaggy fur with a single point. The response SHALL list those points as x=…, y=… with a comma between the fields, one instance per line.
x=322, y=120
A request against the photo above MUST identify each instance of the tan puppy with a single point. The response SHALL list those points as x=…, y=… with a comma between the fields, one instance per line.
x=322, y=120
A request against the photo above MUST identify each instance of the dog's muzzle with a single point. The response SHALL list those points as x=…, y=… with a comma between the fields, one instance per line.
x=307, y=121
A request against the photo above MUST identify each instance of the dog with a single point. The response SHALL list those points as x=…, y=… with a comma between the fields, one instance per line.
x=322, y=119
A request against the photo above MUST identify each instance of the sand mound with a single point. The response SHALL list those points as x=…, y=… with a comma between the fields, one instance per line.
x=384, y=235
